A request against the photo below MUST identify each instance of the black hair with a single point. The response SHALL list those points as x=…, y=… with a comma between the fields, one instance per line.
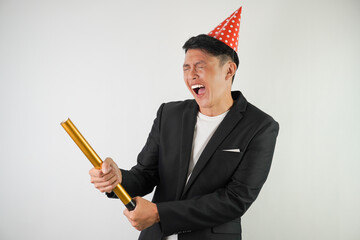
x=214, y=47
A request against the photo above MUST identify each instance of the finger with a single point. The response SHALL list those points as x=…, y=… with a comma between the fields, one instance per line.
x=96, y=180
x=103, y=177
x=99, y=179
x=107, y=189
x=126, y=212
x=95, y=172
x=111, y=187
x=112, y=182
x=108, y=175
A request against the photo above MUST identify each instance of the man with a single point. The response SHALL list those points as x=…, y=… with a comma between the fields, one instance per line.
x=208, y=158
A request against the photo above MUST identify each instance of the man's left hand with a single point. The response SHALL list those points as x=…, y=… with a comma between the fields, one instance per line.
x=144, y=215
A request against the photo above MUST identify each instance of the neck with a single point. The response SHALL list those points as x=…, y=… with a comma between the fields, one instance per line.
x=218, y=108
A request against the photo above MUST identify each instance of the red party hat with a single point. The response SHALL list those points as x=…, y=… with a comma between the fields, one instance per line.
x=228, y=31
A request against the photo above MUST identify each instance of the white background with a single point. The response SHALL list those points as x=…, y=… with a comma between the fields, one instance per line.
x=108, y=65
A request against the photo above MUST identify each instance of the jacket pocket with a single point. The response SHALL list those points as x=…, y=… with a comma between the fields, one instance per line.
x=227, y=160
x=228, y=153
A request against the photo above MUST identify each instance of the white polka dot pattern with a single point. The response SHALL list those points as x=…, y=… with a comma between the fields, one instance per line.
x=224, y=27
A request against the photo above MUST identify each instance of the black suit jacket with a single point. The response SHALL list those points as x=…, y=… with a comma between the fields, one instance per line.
x=223, y=184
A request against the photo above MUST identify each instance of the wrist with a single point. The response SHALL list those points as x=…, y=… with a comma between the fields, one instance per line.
x=156, y=213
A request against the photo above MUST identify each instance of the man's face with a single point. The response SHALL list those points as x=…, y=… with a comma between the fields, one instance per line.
x=207, y=80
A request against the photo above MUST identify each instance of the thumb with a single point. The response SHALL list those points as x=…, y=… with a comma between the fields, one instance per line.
x=105, y=167
x=137, y=200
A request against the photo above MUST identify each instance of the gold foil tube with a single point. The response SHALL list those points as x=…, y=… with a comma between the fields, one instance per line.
x=92, y=156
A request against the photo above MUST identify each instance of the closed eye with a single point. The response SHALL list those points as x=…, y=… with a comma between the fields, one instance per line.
x=200, y=64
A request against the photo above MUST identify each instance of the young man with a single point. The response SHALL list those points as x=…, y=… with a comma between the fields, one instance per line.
x=208, y=158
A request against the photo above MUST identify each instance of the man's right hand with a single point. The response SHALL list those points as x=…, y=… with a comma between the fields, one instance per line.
x=106, y=178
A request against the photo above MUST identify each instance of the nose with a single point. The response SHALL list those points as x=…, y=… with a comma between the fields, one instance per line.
x=192, y=74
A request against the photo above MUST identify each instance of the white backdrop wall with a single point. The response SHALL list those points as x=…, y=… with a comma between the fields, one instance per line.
x=108, y=65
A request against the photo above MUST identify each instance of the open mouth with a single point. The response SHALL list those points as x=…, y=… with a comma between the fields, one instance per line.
x=198, y=89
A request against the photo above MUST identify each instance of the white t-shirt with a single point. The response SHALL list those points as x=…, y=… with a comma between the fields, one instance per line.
x=204, y=129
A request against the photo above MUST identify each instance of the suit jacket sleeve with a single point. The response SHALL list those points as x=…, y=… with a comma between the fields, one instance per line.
x=229, y=202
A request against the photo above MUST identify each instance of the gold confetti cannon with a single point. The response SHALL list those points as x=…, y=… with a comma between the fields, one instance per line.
x=95, y=160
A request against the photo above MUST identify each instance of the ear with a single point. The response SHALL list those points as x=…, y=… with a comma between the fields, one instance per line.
x=231, y=69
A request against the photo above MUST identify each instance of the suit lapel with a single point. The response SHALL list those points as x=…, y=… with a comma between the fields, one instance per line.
x=188, y=126
x=224, y=129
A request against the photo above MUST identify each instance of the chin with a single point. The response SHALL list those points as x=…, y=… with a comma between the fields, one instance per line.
x=202, y=104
